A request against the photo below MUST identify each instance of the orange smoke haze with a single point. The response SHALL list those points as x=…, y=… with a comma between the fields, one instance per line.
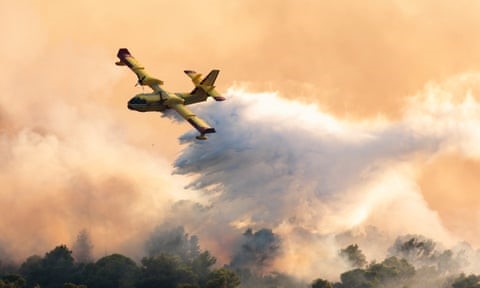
x=355, y=58
x=450, y=184
x=73, y=157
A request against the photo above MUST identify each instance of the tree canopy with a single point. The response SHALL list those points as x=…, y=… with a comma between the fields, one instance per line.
x=175, y=260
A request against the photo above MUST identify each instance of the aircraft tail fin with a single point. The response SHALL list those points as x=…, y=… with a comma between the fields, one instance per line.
x=205, y=87
x=210, y=79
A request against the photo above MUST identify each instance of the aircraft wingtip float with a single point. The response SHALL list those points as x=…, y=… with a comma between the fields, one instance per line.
x=160, y=100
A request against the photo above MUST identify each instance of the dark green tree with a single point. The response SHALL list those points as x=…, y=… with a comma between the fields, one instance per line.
x=173, y=241
x=423, y=252
x=4, y=284
x=201, y=266
x=32, y=270
x=58, y=267
x=12, y=281
x=222, y=278
x=115, y=271
x=416, y=249
x=354, y=256
x=274, y=279
x=320, y=283
x=187, y=286
x=391, y=270
x=356, y=278
x=470, y=281
x=257, y=250
x=165, y=271
x=177, y=248
x=71, y=285
x=51, y=271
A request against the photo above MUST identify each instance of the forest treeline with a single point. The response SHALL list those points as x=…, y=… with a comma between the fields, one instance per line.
x=174, y=260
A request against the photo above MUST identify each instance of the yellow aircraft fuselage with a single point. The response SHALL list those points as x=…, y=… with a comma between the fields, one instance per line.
x=146, y=102
x=161, y=100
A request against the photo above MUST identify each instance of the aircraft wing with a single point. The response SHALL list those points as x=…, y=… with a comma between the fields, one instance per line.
x=126, y=59
x=194, y=120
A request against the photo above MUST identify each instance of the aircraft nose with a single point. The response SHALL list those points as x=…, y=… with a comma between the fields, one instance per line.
x=130, y=105
x=136, y=103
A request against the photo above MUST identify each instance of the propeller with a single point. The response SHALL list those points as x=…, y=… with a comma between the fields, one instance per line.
x=140, y=80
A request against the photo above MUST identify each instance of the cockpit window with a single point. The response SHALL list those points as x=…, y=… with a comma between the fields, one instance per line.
x=137, y=100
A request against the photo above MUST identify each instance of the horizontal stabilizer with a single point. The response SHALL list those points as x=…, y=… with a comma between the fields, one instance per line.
x=190, y=72
x=194, y=76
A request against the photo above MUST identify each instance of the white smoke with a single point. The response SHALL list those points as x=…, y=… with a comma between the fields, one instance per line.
x=66, y=162
x=293, y=168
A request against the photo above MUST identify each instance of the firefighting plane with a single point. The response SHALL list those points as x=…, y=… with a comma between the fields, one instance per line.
x=161, y=100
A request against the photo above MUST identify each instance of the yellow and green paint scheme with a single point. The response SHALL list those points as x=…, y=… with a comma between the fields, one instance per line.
x=161, y=100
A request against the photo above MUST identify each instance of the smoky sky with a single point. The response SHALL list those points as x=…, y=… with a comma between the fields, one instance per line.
x=386, y=123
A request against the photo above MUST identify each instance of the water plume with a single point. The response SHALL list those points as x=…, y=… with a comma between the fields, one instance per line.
x=305, y=174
